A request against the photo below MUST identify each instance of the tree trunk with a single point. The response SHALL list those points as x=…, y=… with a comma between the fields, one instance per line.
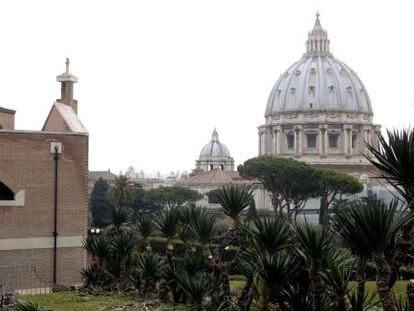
x=266, y=298
x=275, y=205
x=216, y=282
x=246, y=295
x=361, y=278
x=163, y=292
x=226, y=296
x=317, y=289
x=383, y=289
x=410, y=295
x=400, y=256
x=323, y=210
x=342, y=304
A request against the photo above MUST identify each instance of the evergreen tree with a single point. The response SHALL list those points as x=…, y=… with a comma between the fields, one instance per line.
x=100, y=204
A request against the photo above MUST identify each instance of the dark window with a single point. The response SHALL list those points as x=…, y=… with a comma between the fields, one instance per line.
x=5, y=193
x=333, y=141
x=222, y=167
x=311, y=140
x=290, y=141
x=212, y=196
x=354, y=141
x=210, y=167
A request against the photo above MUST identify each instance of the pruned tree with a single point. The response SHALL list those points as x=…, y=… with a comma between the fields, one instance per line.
x=334, y=184
x=291, y=183
x=171, y=197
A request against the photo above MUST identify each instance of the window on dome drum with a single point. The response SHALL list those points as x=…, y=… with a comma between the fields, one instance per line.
x=354, y=141
x=210, y=167
x=222, y=167
x=290, y=141
x=5, y=193
x=311, y=89
x=333, y=140
x=311, y=140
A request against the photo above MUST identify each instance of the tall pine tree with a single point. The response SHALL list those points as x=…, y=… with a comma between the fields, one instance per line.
x=100, y=204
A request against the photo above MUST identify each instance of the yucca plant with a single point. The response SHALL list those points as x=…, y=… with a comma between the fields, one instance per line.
x=233, y=201
x=98, y=246
x=370, y=300
x=377, y=225
x=27, y=306
x=394, y=158
x=145, y=226
x=202, y=226
x=275, y=270
x=296, y=294
x=167, y=222
x=351, y=239
x=244, y=268
x=120, y=222
x=196, y=287
x=337, y=274
x=150, y=267
x=271, y=235
x=123, y=247
x=314, y=244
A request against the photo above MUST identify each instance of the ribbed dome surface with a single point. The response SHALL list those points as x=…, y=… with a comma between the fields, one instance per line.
x=214, y=148
x=318, y=81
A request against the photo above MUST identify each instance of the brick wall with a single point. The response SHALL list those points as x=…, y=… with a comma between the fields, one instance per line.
x=27, y=164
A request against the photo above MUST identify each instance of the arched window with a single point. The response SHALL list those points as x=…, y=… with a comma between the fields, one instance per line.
x=210, y=167
x=222, y=167
x=5, y=193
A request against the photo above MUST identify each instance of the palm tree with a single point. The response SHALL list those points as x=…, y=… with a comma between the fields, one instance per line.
x=275, y=270
x=120, y=222
x=233, y=201
x=376, y=224
x=352, y=240
x=196, y=287
x=272, y=235
x=145, y=226
x=394, y=158
x=122, y=190
x=337, y=274
x=150, y=267
x=202, y=226
x=167, y=222
x=314, y=244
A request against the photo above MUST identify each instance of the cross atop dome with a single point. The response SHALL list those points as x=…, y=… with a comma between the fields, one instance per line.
x=318, y=42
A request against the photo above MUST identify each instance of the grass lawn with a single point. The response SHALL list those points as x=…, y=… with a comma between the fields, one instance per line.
x=73, y=301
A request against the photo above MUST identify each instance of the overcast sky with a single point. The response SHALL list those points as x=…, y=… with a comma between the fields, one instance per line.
x=156, y=76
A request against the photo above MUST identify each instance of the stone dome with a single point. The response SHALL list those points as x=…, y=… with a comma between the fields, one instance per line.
x=215, y=149
x=319, y=82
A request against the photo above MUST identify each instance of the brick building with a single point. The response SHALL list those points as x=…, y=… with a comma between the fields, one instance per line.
x=44, y=193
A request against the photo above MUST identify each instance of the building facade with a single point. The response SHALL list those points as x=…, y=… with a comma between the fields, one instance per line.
x=44, y=196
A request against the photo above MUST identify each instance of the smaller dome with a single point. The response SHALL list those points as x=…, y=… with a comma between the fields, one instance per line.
x=215, y=149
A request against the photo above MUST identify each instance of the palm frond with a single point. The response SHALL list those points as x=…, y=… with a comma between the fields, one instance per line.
x=395, y=160
x=234, y=199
